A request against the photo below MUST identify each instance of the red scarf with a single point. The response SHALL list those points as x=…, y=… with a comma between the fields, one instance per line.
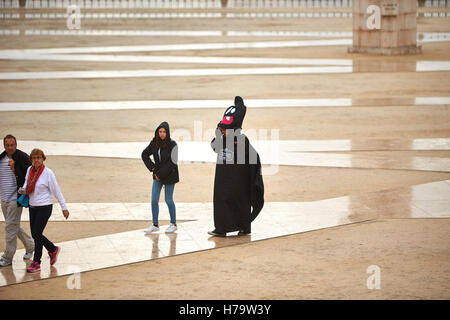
x=33, y=176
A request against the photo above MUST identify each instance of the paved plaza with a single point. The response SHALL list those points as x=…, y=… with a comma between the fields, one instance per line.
x=355, y=149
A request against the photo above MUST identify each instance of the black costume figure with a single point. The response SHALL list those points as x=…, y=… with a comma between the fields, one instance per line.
x=238, y=183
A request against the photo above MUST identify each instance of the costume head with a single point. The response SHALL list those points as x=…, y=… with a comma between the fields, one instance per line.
x=234, y=115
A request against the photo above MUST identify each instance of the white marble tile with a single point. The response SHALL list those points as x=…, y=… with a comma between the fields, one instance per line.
x=139, y=211
x=108, y=211
x=170, y=104
x=272, y=152
x=434, y=208
x=431, y=191
x=277, y=219
x=182, y=47
x=152, y=73
x=203, y=104
x=177, y=59
x=433, y=66
x=432, y=100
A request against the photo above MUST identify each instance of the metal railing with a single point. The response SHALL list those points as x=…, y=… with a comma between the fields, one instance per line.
x=175, y=4
x=199, y=4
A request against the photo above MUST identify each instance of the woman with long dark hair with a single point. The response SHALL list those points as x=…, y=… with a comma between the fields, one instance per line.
x=165, y=173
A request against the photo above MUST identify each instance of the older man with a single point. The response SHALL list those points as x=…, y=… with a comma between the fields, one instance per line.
x=13, y=168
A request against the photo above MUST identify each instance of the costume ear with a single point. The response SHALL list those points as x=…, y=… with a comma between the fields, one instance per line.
x=240, y=107
x=239, y=102
x=241, y=110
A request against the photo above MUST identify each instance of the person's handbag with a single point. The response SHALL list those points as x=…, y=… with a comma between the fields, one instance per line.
x=23, y=200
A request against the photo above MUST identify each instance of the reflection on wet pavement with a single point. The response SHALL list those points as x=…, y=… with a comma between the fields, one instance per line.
x=373, y=66
x=293, y=66
x=430, y=200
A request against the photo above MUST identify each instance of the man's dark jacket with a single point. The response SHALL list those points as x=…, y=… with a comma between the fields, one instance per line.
x=21, y=164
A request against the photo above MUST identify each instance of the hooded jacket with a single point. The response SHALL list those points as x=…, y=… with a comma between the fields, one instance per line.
x=165, y=158
x=21, y=164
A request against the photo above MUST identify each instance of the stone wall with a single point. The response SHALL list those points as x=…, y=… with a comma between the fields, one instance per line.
x=389, y=31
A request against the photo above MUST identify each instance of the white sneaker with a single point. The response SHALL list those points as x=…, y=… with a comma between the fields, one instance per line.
x=151, y=229
x=171, y=228
x=28, y=256
x=4, y=263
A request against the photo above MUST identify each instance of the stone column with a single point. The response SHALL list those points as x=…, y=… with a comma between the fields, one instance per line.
x=386, y=27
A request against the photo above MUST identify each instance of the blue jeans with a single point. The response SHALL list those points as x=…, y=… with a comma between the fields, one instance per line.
x=168, y=197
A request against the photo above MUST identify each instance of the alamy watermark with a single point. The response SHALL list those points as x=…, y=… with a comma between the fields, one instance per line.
x=231, y=147
x=374, y=280
x=73, y=17
x=74, y=281
x=374, y=20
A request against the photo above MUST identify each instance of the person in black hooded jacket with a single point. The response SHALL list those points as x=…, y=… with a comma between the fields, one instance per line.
x=164, y=151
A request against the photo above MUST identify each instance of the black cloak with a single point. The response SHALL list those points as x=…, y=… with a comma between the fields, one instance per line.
x=165, y=157
x=238, y=184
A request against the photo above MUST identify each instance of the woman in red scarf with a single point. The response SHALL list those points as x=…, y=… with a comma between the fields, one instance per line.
x=40, y=185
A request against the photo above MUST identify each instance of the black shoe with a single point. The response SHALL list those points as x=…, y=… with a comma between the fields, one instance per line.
x=217, y=234
x=244, y=233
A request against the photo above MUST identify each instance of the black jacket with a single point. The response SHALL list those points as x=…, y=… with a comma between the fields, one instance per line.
x=21, y=164
x=166, y=167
